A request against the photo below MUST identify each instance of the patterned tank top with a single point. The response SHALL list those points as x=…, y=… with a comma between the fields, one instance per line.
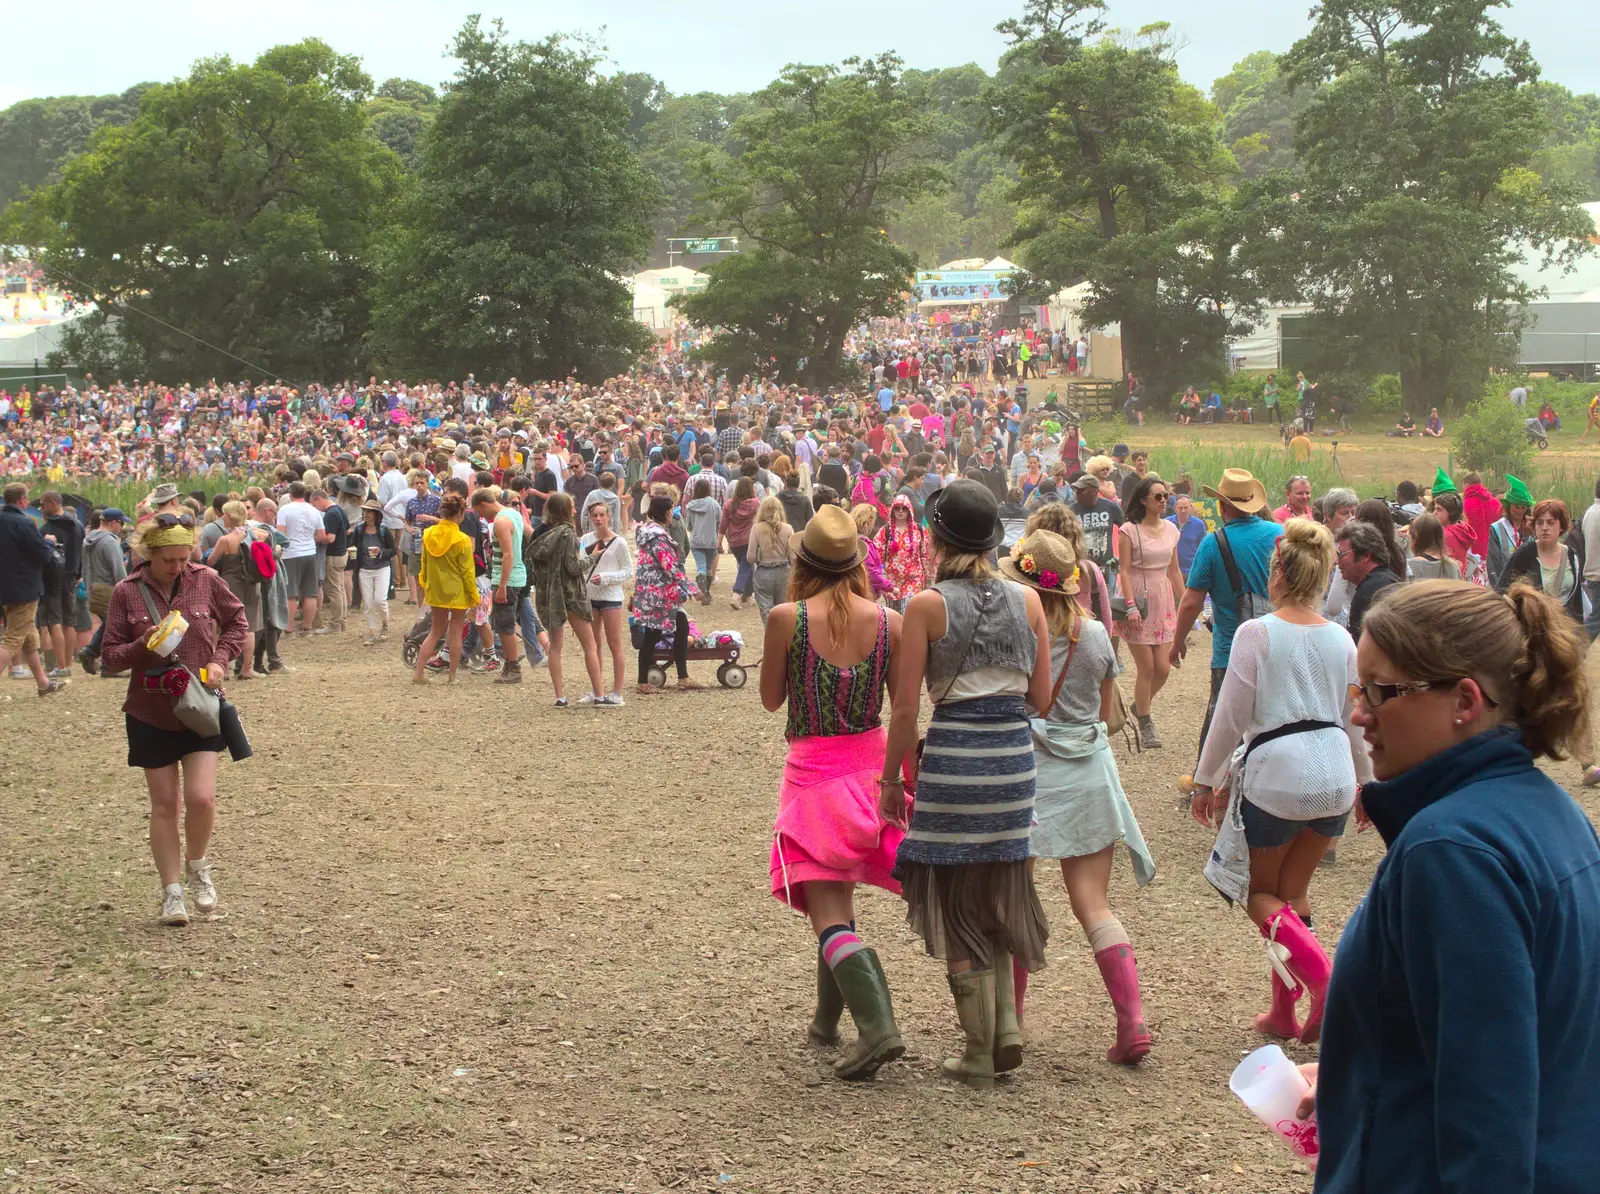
x=828, y=701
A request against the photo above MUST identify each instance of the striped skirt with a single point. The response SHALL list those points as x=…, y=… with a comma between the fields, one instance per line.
x=963, y=864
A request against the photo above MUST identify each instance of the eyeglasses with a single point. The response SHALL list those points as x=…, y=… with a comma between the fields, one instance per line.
x=1376, y=694
x=175, y=520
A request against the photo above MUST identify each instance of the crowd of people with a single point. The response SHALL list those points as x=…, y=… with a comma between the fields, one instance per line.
x=1404, y=659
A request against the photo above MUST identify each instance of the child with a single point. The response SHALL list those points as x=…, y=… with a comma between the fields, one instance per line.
x=704, y=517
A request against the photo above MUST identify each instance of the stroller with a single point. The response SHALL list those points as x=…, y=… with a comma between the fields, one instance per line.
x=418, y=634
x=1537, y=432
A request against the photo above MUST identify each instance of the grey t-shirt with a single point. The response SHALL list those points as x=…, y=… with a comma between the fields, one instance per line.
x=1078, y=702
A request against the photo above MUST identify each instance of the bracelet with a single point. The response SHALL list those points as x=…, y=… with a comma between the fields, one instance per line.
x=891, y=783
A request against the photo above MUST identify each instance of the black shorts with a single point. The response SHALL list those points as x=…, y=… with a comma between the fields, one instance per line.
x=503, y=615
x=593, y=604
x=59, y=608
x=151, y=747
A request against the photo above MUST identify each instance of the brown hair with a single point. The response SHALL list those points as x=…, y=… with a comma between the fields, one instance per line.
x=806, y=582
x=558, y=509
x=1302, y=560
x=955, y=564
x=1522, y=649
x=452, y=506
x=1426, y=534
x=1375, y=512
x=1557, y=509
x=1058, y=518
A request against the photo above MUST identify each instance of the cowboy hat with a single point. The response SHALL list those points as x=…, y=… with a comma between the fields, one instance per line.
x=162, y=494
x=831, y=542
x=965, y=514
x=1042, y=560
x=1240, y=490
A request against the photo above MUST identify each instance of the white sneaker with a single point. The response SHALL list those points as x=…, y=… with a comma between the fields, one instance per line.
x=18, y=672
x=589, y=698
x=205, y=891
x=612, y=700
x=173, y=911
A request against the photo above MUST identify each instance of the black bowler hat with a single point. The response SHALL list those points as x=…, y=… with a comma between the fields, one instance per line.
x=965, y=514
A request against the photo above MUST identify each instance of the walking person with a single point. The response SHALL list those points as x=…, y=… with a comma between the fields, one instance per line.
x=769, y=556
x=610, y=566
x=447, y=583
x=659, y=590
x=1080, y=809
x=903, y=547
x=335, y=523
x=1147, y=568
x=375, y=552
x=227, y=560
x=830, y=656
x=180, y=766
x=22, y=568
x=1287, y=701
x=104, y=564
x=1459, y=1047
x=738, y=516
x=561, y=597
x=982, y=646
x=703, y=513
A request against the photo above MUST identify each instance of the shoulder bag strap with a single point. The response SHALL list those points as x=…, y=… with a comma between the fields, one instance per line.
x=1072, y=645
x=149, y=602
x=967, y=650
x=1228, y=563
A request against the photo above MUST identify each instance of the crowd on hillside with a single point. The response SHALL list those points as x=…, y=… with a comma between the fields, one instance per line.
x=1401, y=661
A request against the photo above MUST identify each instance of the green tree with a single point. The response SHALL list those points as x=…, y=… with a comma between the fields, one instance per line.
x=39, y=136
x=808, y=183
x=1416, y=192
x=530, y=206
x=670, y=144
x=1123, y=184
x=232, y=219
x=399, y=114
x=1258, y=107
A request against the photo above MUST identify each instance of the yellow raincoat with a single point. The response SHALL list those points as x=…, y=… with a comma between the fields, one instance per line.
x=447, y=577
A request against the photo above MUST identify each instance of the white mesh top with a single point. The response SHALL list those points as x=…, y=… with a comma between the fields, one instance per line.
x=1281, y=673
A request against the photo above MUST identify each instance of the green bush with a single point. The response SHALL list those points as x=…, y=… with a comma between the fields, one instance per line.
x=1490, y=437
x=1383, y=397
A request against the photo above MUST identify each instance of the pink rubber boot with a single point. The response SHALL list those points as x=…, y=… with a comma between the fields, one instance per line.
x=1280, y=1021
x=1297, y=947
x=1119, y=970
x=1019, y=980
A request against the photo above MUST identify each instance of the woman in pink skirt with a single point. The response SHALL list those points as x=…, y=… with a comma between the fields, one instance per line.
x=829, y=653
x=1149, y=579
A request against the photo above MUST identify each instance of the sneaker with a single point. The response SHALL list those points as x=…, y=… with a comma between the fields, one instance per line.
x=88, y=662
x=369, y=641
x=612, y=700
x=561, y=702
x=173, y=911
x=323, y=630
x=589, y=698
x=487, y=666
x=52, y=688
x=274, y=665
x=205, y=892
x=18, y=672
x=60, y=673
x=510, y=674
x=438, y=664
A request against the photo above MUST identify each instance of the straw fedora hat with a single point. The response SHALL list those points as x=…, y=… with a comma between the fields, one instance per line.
x=830, y=542
x=1240, y=490
x=1042, y=560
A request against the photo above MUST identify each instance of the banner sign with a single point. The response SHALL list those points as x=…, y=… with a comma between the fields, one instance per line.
x=963, y=285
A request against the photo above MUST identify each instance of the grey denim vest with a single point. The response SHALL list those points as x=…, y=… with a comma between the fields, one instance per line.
x=1003, y=637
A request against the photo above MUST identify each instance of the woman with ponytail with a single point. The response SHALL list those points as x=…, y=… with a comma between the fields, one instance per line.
x=1460, y=1043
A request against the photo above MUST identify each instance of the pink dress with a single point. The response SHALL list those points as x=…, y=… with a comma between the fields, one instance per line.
x=1151, y=555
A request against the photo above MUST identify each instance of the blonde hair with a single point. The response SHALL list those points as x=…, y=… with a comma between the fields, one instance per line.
x=955, y=564
x=418, y=474
x=1522, y=649
x=866, y=516
x=1095, y=463
x=1058, y=518
x=1303, y=560
x=764, y=535
x=1061, y=611
x=235, y=514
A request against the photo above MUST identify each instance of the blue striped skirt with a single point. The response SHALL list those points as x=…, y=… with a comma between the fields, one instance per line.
x=974, y=794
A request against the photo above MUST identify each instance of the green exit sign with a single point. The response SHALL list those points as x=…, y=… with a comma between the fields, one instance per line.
x=713, y=244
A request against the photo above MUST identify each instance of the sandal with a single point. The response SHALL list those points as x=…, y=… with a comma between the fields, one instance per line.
x=52, y=688
x=646, y=689
x=685, y=684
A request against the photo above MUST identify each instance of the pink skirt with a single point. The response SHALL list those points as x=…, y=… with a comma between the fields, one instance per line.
x=828, y=828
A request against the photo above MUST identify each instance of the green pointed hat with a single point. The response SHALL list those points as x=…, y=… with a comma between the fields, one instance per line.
x=1443, y=484
x=1517, y=493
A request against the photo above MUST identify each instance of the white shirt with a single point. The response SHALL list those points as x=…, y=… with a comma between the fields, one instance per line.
x=462, y=470
x=1279, y=673
x=612, y=570
x=390, y=486
x=300, y=521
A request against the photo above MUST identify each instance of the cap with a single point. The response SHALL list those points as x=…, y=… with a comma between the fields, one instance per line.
x=1087, y=481
x=112, y=514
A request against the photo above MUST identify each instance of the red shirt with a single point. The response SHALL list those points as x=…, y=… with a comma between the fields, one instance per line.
x=902, y=369
x=216, y=634
x=875, y=439
x=1284, y=513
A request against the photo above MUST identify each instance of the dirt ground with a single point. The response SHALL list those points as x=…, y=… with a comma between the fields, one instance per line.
x=471, y=942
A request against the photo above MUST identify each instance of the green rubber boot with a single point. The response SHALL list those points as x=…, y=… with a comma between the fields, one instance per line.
x=1007, y=1032
x=974, y=996
x=866, y=994
x=824, y=1026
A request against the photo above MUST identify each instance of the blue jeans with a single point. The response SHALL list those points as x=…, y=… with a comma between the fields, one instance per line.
x=743, y=578
x=1592, y=623
x=528, y=622
x=705, y=559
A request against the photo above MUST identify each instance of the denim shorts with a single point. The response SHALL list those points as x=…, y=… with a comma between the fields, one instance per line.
x=1266, y=831
x=596, y=604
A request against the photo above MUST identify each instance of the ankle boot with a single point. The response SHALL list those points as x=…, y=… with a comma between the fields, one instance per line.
x=824, y=1026
x=1293, y=947
x=1148, y=738
x=1119, y=970
x=866, y=993
x=974, y=996
x=1019, y=983
x=1280, y=1020
x=1007, y=1031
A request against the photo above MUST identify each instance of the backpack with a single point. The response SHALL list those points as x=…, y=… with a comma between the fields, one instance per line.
x=260, y=565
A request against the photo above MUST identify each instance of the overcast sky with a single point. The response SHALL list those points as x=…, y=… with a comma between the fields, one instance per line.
x=91, y=47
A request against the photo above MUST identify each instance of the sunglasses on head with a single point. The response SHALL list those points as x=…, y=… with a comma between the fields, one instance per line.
x=174, y=520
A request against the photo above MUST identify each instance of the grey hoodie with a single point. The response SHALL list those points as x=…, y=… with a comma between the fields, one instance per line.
x=704, y=517
x=102, y=559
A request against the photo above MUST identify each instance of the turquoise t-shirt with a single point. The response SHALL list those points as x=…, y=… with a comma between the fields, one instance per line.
x=1252, y=540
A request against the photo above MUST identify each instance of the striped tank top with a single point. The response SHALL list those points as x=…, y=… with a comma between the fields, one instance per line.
x=828, y=701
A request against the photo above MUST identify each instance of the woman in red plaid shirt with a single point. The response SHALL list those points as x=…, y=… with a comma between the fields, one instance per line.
x=157, y=741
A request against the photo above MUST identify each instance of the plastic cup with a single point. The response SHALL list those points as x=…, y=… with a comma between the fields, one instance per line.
x=1271, y=1085
x=170, y=632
